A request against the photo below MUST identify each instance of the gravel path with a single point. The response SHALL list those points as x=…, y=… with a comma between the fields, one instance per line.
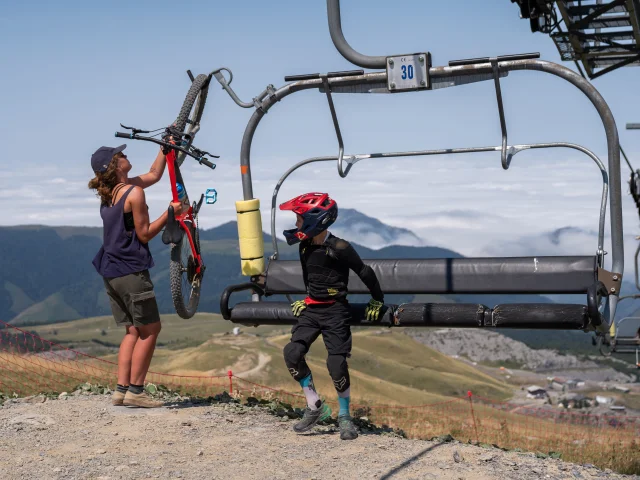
x=85, y=437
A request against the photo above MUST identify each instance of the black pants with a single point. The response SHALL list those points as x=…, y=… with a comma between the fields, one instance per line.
x=332, y=321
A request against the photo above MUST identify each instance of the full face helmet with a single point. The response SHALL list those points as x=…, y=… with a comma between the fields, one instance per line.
x=318, y=212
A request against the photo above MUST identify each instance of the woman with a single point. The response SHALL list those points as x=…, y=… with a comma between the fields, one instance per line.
x=124, y=261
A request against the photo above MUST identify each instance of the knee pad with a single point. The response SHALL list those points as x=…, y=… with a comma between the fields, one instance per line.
x=339, y=371
x=294, y=359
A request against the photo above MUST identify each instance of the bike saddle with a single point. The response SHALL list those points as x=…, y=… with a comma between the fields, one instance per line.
x=172, y=232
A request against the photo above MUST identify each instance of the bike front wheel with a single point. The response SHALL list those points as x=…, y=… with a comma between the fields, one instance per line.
x=188, y=120
x=185, y=281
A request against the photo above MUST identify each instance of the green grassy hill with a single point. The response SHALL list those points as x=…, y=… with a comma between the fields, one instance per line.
x=386, y=365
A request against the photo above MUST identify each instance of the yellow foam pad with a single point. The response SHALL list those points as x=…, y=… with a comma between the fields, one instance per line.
x=250, y=237
x=252, y=267
x=243, y=206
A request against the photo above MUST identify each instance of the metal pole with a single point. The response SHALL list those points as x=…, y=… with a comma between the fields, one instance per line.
x=636, y=266
x=503, y=122
x=335, y=30
x=624, y=155
x=336, y=125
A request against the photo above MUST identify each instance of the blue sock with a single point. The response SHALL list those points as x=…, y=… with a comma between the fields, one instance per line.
x=344, y=399
x=306, y=381
x=313, y=400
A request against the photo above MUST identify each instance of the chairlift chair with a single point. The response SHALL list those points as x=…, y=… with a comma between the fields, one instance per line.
x=523, y=275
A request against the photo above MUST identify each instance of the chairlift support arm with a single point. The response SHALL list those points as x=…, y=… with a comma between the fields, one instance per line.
x=226, y=86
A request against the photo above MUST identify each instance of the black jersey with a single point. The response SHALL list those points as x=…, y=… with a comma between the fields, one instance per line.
x=325, y=269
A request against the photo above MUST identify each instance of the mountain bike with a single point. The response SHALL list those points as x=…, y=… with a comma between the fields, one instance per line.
x=186, y=267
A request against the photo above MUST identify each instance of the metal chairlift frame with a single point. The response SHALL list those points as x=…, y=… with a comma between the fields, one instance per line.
x=456, y=73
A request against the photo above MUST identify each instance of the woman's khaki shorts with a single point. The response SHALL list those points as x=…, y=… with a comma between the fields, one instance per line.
x=133, y=301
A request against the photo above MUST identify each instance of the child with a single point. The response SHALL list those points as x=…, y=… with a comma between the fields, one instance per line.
x=326, y=261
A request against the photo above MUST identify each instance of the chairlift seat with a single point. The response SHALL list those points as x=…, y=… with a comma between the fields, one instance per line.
x=508, y=275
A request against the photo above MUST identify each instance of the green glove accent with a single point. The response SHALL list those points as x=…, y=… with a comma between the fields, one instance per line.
x=372, y=312
x=297, y=307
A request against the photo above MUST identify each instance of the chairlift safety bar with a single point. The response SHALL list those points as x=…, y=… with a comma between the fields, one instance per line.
x=353, y=159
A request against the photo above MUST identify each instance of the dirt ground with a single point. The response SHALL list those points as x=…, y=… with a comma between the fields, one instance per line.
x=84, y=437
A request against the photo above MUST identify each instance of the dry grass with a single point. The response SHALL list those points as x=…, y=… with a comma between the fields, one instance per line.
x=396, y=381
x=605, y=446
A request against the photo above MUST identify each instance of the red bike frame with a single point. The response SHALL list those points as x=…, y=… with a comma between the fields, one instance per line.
x=184, y=216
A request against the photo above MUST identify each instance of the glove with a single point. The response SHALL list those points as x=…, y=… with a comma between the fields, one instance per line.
x=297, y=307
x=372, y=312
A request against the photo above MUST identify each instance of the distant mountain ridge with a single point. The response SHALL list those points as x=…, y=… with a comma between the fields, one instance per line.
x=46, y=273
x=353, y=225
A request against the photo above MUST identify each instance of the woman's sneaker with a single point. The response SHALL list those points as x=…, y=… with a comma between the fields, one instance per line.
x=311, y=417
x=347, y=428
x=141, y=400
x=117, y=398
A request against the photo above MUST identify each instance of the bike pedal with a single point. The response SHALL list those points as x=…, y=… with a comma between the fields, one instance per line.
x=211, y=196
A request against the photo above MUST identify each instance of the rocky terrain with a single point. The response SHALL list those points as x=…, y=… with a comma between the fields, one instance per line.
x=493, y=348
x=84, y=437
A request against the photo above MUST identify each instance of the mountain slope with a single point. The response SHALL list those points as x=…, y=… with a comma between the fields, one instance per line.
x=386, y=366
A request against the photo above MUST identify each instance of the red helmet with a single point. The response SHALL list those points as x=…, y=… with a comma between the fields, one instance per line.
x=318, y=212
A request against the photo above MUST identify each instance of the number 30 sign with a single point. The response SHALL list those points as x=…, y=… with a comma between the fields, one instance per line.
x=408, y=72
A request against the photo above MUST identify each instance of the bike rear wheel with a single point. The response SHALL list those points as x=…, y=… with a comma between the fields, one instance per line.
x=185, y=281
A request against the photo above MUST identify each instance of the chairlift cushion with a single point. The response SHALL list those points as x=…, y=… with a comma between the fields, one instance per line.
x=516, y=275
x=452, y=315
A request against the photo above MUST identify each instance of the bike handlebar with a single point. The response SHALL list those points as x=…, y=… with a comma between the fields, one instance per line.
x=201, y=160
x=206, y=162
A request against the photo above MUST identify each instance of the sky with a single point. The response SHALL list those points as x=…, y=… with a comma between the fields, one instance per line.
x=73, y=70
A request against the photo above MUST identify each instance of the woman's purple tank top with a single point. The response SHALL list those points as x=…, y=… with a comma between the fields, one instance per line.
x=122, y=253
